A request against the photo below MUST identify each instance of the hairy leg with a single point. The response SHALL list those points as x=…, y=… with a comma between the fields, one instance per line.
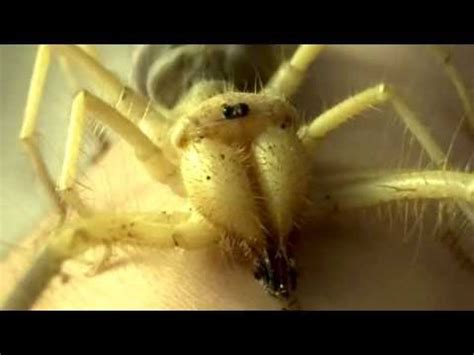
x=289, y=77
x=149, y=230
x=437, y=185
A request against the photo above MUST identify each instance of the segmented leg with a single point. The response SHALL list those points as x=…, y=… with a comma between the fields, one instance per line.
x=375, y=190
x=69, y=71
x=184, y=230
x=127, y=108
x=28, y=129
x=444, y=57
x=351, y=107
x=102, y=140
x=367, y=189
x=84, y=105
x=105, y=84
x=83, y=61
x=291, y=74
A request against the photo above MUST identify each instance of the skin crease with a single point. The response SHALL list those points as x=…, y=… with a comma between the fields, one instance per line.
x=346, y=261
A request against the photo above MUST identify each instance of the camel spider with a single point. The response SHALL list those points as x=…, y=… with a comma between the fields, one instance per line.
x=251, y=186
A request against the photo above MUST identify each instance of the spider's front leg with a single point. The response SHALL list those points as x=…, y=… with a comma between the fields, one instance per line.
x=27, y=133
x=351, y=107
x=445, y=58
x=360, y=192
x=365, y=190
x=77, y=60
x=146, y=151
x=157, y=230
x=289, y=76
x=88, y=229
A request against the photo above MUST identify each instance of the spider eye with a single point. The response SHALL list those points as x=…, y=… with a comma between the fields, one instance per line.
x=239, y=110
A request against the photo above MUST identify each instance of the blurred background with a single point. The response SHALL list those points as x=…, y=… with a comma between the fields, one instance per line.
x=375, y=141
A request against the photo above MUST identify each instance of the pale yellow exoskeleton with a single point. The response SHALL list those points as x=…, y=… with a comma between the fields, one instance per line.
x=240, y=159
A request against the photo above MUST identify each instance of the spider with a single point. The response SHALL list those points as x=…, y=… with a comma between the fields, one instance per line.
x=238, y=157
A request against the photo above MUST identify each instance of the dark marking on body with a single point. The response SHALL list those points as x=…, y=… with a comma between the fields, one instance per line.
x=230, y=112
x=124, y=94
x=175, y=242
x=276, y=270
x=64, y=278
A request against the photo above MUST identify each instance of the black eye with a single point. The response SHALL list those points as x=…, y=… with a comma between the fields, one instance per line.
x=239, y=110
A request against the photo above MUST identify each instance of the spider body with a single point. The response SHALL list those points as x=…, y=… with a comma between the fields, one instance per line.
x=248, y=178
x=251, y=168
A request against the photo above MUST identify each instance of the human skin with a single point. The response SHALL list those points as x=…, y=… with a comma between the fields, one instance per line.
x=346, y=261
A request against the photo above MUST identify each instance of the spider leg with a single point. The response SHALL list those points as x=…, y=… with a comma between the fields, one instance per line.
x=444, y=57
x=386, y=187
x=124, y=99
x=97, y=132
x=359, y=190
x=289, y=76
x=84, y=105
x=27, y=133
x=108, y=86
x=186, y=230
x=351, y=107
x=68, y=69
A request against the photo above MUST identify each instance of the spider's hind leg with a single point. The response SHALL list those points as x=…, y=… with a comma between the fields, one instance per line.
x=445, y=58
x=351, y=107
x=74, y=59
x=29, y=126
x=358, y=190
x=291, y=74
x=85, y=104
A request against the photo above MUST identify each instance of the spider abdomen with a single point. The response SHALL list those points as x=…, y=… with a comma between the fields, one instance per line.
x=165, y=72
